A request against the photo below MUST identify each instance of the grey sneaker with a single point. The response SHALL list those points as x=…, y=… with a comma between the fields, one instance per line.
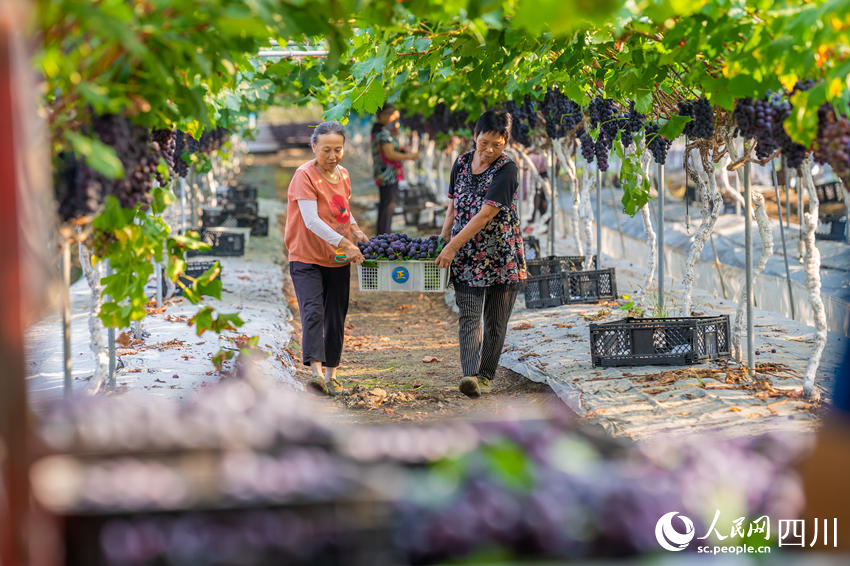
x=469, y=386
x=318, y=384
x=484, y=384
x=334, y=387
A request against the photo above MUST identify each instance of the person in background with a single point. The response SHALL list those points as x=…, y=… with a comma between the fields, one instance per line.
x=541, y=203
x=386, y=164
x=321, y=236
x=484, y=249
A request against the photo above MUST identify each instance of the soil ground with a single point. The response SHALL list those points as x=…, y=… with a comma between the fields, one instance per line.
x=387, y=340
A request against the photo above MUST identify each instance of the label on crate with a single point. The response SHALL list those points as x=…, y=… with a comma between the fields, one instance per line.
x=400, y=274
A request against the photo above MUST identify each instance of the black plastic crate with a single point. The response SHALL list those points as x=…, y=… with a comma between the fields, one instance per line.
x=532, y=247
x=832, y=228
x=221, y=243
x=557, y=264
x=259, y=225
x=543, y=291
x=829, y=192
x=240, y=193
x=590, y=286
x=193, y=269
x=216, y=217
x=240, y=207
x=659, y=341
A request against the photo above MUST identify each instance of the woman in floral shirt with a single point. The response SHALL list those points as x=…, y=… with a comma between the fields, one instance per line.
x=484, y=249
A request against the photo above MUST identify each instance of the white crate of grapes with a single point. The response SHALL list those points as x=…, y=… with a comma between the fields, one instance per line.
x=414, y=275
x=397, y=262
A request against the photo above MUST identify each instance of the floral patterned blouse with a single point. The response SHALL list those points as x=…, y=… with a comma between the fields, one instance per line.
x=495, y=255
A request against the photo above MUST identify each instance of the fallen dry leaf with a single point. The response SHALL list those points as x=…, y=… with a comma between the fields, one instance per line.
x=430, y=359
x=123, y=339
x=522, y=326
x=562, y=325
x=772, y=406
x=735, y=409
x=528, y=355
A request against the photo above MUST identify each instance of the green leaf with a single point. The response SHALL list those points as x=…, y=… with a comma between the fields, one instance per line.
x=98, y=155
x=208, y=288
x=802, y=123
x=373, y=98
x=338, y=111
x=643, y=102
x=673, y=127
x=162, y=198
x=203, y=320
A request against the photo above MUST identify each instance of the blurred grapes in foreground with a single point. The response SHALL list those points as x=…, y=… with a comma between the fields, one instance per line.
x=247, y=474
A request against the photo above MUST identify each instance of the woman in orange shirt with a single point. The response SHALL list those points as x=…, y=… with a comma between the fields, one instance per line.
x=321, y=236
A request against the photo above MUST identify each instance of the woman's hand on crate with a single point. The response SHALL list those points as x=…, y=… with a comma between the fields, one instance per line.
x=352, y=252
x=446, y=256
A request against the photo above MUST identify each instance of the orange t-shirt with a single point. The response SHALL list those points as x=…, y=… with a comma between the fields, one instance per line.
x=332, y=203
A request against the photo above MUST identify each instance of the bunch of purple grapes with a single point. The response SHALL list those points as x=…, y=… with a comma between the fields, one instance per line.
x=444, y=121
x=77, y=193
x=755, y=119
x=164, y=142
x=802, y=86
x=702, y=125
x=607, y=506
x=529, y=110
x=602, y=113
x=181, y=168
x=401, y=247
x=657, y=144
x=414, y=122
x=763, y=120
x=832, y=144
x=562, y=114
x=629, y=124
x=588, y=148
x=520, y=128
x=132, y=145
x=212, y=140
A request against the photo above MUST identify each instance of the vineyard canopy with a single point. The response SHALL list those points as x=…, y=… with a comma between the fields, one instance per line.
x=192, y=64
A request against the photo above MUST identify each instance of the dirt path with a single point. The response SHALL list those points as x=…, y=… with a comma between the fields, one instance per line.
x=386, y=378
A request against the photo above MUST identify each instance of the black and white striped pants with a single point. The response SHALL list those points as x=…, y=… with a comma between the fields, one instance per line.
x=479, y=353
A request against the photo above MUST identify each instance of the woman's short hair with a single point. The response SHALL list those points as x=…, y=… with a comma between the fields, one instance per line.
x=385, y=109
x=496, y=121
x=327, y=128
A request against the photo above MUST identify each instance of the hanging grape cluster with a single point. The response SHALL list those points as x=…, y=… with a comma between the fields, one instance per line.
x=588, y=150
x=520, y=128
x=164, y=142
x=75, y=191
x=444, y=120
x=562, y=114
x=602, y=113
x=763, y=120
x=212, y=140
x=657, y=144
x=702, y=125
x=181, y=168
x=832, y=145
x=629, y=124
x=414, y=122
x=132, y=146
